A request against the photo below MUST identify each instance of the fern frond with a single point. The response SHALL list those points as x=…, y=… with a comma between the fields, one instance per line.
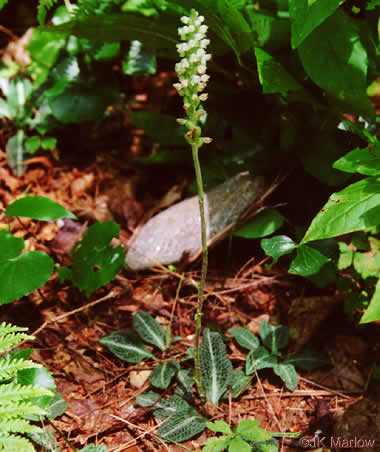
x=14, y=443
x=7, y=328
x=18, y=426
x=13, y=392
x=10, y=410
x=9, y=366
x=42, y=9
x=12, y=339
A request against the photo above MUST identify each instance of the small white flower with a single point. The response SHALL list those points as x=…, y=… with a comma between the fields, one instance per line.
x=204, y=43
x=203, y=29
x=185, y=20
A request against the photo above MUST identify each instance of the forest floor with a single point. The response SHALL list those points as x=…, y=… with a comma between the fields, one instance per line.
x=337, y=400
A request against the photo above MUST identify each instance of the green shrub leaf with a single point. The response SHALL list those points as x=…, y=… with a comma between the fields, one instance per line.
x=95, y=261
x=306, y=16
x=38, y=208
x=163, y=373
x=245, y=338
x=273, y=76
x=262, y=224
x=278, y=246
x=308, y=261
x=127, y=346
x=274, y=337
x=361, y=160
x=250, y=430
x=172, y=406
x=354, y=208
x=373, y=311
x=337, y=62
x=215, y=365
x=149, y=330
x=239, y=445
x=214, y=444
x=182, y=426
x=20, y=274
x=238, y=380
x=259, y=359
x=306, y=360
x=288, y=375
x=219, y=427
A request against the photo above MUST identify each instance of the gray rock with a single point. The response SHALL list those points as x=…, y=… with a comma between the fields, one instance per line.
x=165, y=237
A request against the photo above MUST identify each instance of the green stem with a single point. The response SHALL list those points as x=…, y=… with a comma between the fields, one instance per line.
x=201, y=285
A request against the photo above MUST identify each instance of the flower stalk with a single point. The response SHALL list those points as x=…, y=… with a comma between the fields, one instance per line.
x=192, y=76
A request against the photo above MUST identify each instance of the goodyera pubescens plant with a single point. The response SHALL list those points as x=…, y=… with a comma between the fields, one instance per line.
x=192, y=76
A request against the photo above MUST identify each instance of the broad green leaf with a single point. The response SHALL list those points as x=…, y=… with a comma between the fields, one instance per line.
x=33, y=143
x=361, y=160
x=259, y=359
x=108, y=51
x=163, y=373
x=273, y=76
x=186, y=382
x=147, y=398
x=83, y=102
x=236, y=23
x=307, y=15
x=37, y=377
x=5, y=110
x=95, y=261
x=271, y=32
x=149, y=330
x=215, y=365
x=57, y=406
x=308, y=261
x=373, y=311
x=244, y=338
x=214, y=444
x=274, y=337
x=239, y=380
x=345, y=256
x=251, y=431
x=367, y=264
x=278, y=246
x=337, y=62
x=306, y=360
x=15, y=153
x=219, y=427
x=38, y=208
x=20, y=90
x=48, y=143
x=354, y=208
x=181, y=427
x=163, y=128
x=288, y=375
x=239, y=445
x=20, y=274
x=262, y=224
x=126, y=346
x=139, y=61
x=170, y=407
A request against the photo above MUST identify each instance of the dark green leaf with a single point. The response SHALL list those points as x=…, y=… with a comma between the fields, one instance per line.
x=337, y=62
x=239, y=380
x=126, y=346
x=182, y=426
x=163, y=129
x=172, y=406
x=352, y=209
x=274, y=337
x=273, y=77
x=147, y=398
x=93, y=448
x=288, y=375
x=46, y=439
x=38, y=208
x=20, y=274
x=361, y=160
x=244, y=338
x=95, y=261
x=57, y=406
x=306, y=360
x=15, y=153
x=306, y=16
x=308, y=261
x=278, y=246
x=215, y=365
x=149, y=330
x=259, y=359
x=163, y=373
x=372, y=313
x=262, y=224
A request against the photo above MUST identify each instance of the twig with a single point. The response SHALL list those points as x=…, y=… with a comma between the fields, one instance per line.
x=269, y=404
